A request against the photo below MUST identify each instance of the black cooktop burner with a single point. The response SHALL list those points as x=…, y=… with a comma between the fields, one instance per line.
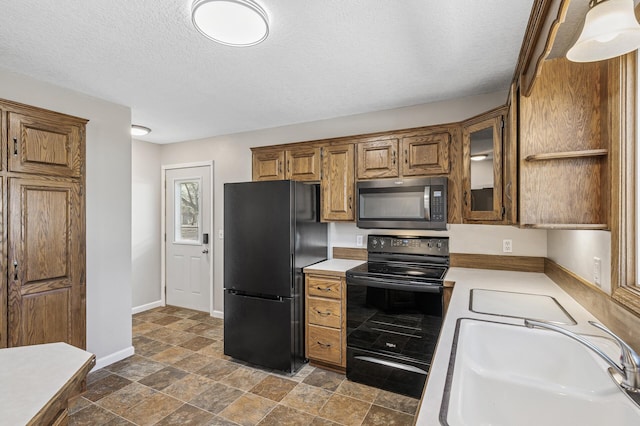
x=401, y=270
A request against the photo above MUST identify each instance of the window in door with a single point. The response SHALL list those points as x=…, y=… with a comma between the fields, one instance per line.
x=187, y=211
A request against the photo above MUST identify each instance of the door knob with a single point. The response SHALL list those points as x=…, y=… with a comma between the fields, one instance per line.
x=205, y=251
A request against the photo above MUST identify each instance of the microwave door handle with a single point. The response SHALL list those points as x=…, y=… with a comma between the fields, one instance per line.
x=427, y=203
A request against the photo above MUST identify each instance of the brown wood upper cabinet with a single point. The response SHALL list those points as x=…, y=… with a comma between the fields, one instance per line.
x=482, y=167
x=425, y=154
x=378, y=159
x=42, y=145
x=564, y=145
x=268, y=164
x=337, y=186
x=303, y=164
x=408, y=155
x=296, y=163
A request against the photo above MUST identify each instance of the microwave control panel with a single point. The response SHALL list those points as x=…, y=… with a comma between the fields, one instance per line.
x=438, y=204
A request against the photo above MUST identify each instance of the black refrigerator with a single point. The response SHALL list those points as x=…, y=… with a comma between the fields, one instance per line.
x=272, y=230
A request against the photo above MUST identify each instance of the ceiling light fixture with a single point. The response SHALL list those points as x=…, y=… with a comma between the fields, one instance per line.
x=610, y=30
x=231, y=22
x=479, y=157
x=139, y=130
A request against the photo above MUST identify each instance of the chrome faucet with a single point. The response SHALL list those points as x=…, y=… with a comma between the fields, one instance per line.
x=629, y=370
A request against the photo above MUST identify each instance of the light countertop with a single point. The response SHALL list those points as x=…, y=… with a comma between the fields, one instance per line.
x=466, y=280
x=336, y=267
x=30, y=376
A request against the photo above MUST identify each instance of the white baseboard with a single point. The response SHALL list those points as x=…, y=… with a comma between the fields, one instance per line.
x=142, y=308
x=217, y=314
x=112, y=358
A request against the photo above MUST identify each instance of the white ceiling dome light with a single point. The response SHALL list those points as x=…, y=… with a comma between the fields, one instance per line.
x=231, y=22
x=137, y=130
x=610, y=30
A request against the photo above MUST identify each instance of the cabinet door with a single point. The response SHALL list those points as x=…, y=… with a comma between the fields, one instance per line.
x=482, y=169
x=46, y=262
x=511, y=159
x=378, y=159
x=303, y=164
x=3, y=278
x=39, y=145
x=425, y=154
x=268, y=165
x=338, y=183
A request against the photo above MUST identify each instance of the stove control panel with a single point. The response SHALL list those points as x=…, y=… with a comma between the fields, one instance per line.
x=408, y=245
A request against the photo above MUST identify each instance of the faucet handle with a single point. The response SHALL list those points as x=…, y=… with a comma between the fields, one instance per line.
x=628, y=354
x=629, y=359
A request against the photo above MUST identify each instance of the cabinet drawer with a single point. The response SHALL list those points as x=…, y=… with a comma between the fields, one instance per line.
x=324, y=287
x=324, y=312
x=324, y=344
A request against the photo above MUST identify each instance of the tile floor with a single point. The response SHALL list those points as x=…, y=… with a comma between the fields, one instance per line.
x=180, y=376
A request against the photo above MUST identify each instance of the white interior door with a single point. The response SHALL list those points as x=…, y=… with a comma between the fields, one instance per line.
x=188, y=217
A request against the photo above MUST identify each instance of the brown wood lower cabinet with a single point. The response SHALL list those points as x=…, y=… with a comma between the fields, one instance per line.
x=46, y=253
x=326, y=320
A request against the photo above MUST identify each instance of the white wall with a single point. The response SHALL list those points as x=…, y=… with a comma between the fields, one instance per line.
x=482, y=239
x=233, y=164
x=575, y=251
x=145, y=225
x=108, y=211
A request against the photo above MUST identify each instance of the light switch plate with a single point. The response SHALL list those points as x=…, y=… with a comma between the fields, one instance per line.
x=220, y=234
x=359, y=240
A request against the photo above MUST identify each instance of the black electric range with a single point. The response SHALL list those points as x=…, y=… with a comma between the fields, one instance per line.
x=394, y=311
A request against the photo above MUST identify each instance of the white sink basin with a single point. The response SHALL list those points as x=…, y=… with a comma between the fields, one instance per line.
x=503, y=374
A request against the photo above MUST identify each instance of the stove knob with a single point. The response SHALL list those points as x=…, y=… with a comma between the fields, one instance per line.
x=374, y=242
x=429, y=244
x=439, y=245
x=381, y=243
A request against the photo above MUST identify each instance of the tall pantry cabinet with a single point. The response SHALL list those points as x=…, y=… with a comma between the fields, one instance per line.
x=42, y=259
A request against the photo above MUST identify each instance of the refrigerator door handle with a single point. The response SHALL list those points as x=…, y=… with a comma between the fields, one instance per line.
x=276, y=298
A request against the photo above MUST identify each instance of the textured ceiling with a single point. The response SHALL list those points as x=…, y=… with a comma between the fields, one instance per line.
x=323, y=58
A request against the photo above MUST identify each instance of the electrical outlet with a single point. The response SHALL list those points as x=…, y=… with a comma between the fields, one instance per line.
x=220, y=234
x=597, y=271
x=507, y=246
x=359, y=240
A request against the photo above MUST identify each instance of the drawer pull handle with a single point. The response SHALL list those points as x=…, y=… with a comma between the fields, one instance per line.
x=323, y=288
x=324, y=314
x=324, y=345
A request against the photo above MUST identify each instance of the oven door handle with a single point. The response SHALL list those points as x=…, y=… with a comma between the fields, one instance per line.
x=391, y=284
x=392, y=364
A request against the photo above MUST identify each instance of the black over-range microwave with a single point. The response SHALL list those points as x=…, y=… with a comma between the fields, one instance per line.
x=419, y=203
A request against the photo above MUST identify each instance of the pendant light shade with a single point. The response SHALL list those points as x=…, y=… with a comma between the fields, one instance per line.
x=231, y=22
x=610, y=30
